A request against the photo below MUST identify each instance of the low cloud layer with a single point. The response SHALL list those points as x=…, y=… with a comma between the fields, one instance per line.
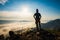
x=3, y=1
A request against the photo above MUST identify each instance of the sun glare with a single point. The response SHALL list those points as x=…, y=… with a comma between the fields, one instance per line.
x=25, y=11
x=25, y=8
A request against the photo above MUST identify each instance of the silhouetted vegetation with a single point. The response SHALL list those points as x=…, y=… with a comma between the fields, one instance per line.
x=2, y=37
x=30, y=35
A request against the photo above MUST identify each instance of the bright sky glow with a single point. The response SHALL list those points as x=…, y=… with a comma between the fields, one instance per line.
x=24, y=9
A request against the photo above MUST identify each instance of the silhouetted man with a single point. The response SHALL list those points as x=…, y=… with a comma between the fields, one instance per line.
x=37, y=17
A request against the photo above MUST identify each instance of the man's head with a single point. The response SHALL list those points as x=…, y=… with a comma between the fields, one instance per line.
x=37, y=10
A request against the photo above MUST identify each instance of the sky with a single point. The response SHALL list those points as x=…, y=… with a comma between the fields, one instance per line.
x=24, y=9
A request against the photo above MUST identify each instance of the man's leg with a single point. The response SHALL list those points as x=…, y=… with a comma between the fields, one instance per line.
x=37, y=25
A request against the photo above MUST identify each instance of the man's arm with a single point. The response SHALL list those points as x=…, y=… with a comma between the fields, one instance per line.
x=34, y=15
x=40, y=16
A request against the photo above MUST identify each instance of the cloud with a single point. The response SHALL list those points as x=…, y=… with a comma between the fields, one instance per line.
x=14, y=15
x=3, y=1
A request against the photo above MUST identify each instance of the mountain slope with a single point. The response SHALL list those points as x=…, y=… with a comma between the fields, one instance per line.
x=54, y=24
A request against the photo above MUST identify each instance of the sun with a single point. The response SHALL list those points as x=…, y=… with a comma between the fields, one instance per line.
x=25, y=8
x=25, y=11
